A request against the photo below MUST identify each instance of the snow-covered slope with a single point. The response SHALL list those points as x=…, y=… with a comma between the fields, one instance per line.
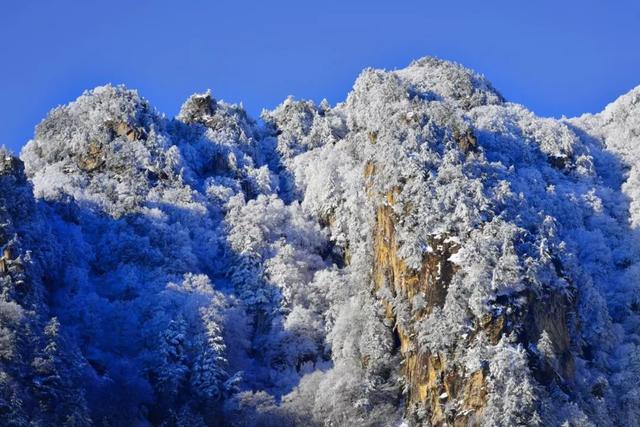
x=425, y=253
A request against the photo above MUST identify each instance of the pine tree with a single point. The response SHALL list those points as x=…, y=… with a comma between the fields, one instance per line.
x=173, y=370
x=209, y=368
x=54, y=381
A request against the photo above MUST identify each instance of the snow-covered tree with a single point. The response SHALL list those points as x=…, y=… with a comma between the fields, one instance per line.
x=424, y=252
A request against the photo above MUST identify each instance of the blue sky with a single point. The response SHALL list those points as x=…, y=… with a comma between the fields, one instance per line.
x=555, y=57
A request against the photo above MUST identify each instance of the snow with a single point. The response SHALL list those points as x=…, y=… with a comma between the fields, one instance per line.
x=209, y=267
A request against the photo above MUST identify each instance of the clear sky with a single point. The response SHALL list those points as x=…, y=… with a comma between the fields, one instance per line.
x=556, y=57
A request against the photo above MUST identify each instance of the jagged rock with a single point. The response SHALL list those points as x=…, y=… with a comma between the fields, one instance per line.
x=93, y=159
x=466, y=141
x=198, y=109
x=126, y=130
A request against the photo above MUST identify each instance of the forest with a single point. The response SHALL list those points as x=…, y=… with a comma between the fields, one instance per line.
x=423, y=253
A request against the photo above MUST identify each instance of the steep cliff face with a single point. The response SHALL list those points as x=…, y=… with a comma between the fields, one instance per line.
x=424, y=253
x=443, y=387
x=430, y=382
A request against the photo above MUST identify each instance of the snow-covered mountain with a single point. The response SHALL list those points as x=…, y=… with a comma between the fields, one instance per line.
x=424, y=253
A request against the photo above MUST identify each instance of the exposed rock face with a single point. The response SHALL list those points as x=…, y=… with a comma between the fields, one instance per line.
x=431, y=382
x=466, y=141
x=450, y=394
x=127, y=131
x=92, y=160
x=198, y=109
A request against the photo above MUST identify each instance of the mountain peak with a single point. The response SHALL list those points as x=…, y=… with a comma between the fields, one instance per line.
x=451, y=81
x=422, y=254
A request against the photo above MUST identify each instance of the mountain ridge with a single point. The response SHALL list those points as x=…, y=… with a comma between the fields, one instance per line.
x=424, y=253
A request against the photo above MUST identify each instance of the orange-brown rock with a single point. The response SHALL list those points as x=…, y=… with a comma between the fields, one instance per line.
x=552, y=315
x=126, y=130
x=466, y=140
x=494, y=327
x=441, y=387
x=92, y=159
x=373, y=137
x=438, y=386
